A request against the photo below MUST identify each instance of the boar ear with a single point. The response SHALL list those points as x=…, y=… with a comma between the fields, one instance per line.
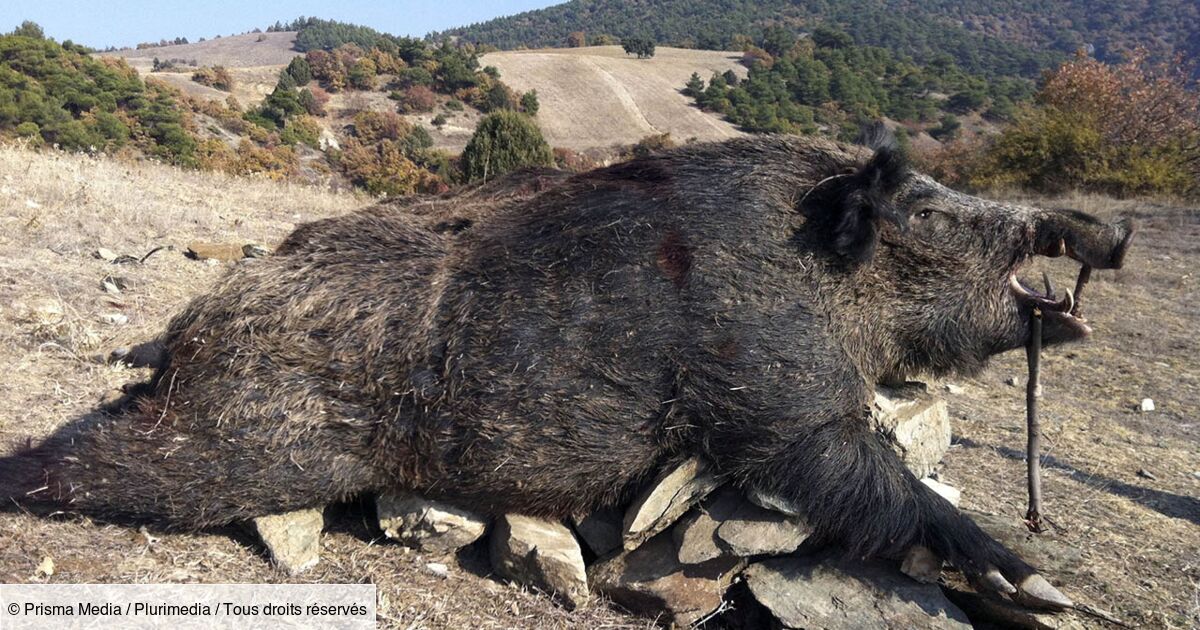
x=855, y=204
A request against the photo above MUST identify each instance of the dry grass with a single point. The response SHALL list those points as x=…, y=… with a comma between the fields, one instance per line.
x=235, y=51
x=598, y=96
x=1139, y=537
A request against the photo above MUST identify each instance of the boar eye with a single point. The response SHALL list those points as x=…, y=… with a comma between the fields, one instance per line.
x=925, y=214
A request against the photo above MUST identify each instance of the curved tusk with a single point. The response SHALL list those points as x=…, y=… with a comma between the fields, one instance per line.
x=1067, y=304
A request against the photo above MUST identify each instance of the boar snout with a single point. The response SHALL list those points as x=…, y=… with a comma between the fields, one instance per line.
x=1084, y=238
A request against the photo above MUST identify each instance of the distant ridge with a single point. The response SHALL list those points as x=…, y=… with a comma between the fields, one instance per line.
x=989, y=37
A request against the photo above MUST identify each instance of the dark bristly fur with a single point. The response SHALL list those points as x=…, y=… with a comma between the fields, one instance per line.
x=546, y=343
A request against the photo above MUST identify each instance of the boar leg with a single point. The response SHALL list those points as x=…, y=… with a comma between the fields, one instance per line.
x=855, y=490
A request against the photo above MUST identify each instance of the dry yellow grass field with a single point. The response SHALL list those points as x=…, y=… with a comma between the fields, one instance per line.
x=598, y=96
x=235, y=51
x=1122, y=484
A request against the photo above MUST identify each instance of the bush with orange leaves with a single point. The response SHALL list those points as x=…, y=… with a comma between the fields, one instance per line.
x=379, y=157
x=1129, y=129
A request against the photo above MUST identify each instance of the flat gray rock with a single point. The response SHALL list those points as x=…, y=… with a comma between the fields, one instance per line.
x=650, y=581
x=753, y=531
x=665, y=500
x=293, y=539
x=695, y=535
x=431, y=526
x=916, y=424
x=540, y=554
x=836, y=594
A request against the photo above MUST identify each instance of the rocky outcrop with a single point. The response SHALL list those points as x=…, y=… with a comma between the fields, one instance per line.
x=600, y=530
x=675, y=551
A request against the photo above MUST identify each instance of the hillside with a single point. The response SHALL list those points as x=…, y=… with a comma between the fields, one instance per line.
x=591, y=98
x=991, y=37
x=237, y=51
x=254, y=60
x=598, y=96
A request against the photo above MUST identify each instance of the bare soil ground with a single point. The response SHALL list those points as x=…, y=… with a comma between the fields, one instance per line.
x=598, y=96
x=1139, y=533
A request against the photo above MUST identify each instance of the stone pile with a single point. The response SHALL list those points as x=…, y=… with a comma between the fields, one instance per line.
x=681, y=550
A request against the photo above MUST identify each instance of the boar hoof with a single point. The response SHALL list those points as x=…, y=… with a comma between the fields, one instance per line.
x=1036, y=592
x=996, y=582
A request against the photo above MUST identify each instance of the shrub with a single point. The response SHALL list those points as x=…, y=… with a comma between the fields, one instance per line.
x=948, y=129
x=1123, y=130
x=373, y=127
x=574, y=161
x=30, y=130
x=529, y=103
x=643, y=47
x=653, y=144
x=439, y=121
x=362, y=75
x=314, y=100
x=298, y=69
x=301, y=129
x=216, y=155
x=215, y=77
x=502, y=142
x=416, y=99
x=278, y=162
x=383, y=169
x=414, y=76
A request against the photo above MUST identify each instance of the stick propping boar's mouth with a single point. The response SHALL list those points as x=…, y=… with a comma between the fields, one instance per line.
x=1080, y=237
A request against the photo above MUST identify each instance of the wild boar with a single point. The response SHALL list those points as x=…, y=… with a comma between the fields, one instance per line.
x=548, y=343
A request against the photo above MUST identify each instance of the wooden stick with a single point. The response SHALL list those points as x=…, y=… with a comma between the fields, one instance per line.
x=1033, y=351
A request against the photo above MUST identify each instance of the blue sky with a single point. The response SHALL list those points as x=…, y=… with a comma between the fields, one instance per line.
x=101, y=23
